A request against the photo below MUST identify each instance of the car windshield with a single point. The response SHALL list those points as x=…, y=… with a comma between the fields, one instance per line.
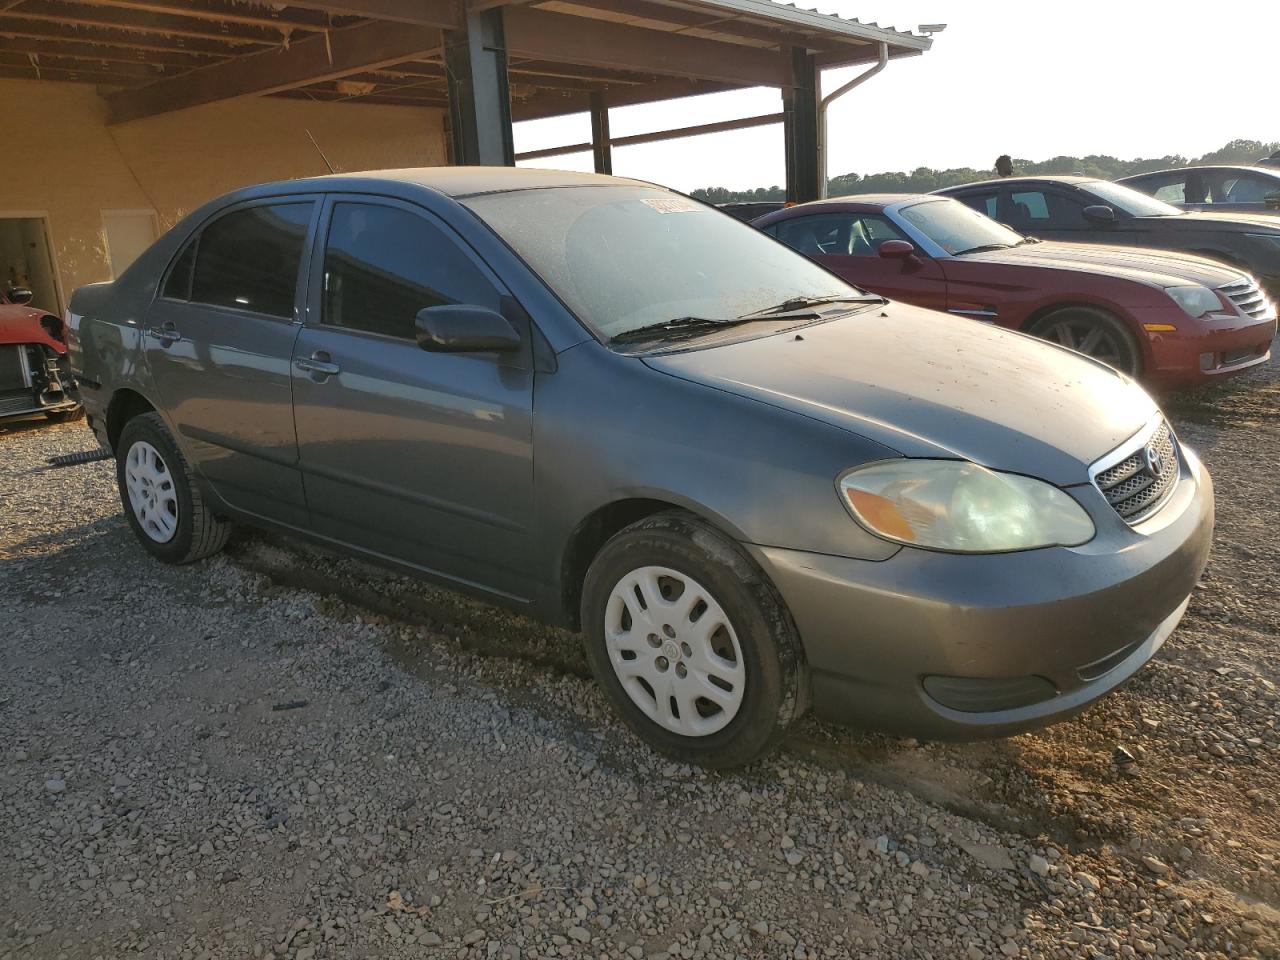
x=627, y=257
x=957, y=228
x=1128, y=200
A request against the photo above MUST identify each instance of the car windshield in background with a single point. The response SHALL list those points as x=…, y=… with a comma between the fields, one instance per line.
x=958, y=229
x=1128, y=200
x=624, y=257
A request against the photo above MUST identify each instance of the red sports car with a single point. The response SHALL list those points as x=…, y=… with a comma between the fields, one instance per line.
x=34, y=376
x=1170, y=319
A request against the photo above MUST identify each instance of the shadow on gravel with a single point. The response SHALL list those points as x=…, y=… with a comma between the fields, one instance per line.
x=949, y=776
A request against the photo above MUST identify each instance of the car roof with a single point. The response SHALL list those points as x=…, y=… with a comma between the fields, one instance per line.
x=453, y=182
x=880, y=200
x=1240, y=167
x=1002, y=181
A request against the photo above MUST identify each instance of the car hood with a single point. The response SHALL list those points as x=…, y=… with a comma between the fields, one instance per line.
x=21, y=324
x=929, y=385
x=1161, y=268
x=1235, y=221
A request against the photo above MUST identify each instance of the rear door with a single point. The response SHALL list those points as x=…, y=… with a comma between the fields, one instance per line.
x=426, y=458
x=218, y=342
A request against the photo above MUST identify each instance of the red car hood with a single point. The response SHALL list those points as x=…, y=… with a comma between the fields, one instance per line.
x=22, y=325
x=1163, y=268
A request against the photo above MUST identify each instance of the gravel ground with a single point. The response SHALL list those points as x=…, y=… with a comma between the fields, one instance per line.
x=283, y=753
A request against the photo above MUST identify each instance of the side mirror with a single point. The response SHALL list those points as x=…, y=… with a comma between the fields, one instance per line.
x=1100, y=213
x=897, y=249
x=19, y=295
x=458, y=328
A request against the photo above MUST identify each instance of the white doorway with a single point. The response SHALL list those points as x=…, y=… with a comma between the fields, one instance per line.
x=128, y=233
x=26, y=260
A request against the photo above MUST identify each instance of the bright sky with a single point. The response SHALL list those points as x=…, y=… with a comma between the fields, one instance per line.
x=1035, y=79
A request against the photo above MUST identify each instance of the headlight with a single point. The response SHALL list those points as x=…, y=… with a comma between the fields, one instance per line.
x=1196, y=301
x=960, y=507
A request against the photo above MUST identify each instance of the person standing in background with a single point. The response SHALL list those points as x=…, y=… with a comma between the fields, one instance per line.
x=1004, y=165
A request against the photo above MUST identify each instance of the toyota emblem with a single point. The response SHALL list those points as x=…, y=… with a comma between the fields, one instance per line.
x=1155, y=461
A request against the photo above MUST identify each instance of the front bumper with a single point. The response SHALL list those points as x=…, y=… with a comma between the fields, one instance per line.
x=1072, y=622
x=1208, y=350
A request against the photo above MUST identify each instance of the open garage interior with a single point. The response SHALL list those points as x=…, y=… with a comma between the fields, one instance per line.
x=133, y=112
x=26, y=260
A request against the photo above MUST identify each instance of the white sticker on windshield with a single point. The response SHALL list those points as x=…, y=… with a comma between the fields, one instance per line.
x=673, y=205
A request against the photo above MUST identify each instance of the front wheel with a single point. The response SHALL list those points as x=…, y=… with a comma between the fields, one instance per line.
x=161, y=499
x=692, y=644
x=1093, y=333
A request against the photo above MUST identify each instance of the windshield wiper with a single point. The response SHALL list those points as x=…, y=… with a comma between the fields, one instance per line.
x=983, y=248
x=682, y=326
x=803, y=303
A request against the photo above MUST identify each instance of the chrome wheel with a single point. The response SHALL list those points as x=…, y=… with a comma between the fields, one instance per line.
x=1086, y=335
x=674, y=651
x=152, y=495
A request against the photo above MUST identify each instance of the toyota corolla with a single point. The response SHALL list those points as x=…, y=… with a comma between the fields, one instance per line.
x=751, y=486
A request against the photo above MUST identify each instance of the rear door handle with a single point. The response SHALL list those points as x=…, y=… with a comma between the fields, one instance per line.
x=165, y=334
x=317, y=363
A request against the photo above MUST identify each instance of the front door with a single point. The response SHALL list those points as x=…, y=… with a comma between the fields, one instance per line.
x=848, y=244
x=218, y=342
x=426, y=458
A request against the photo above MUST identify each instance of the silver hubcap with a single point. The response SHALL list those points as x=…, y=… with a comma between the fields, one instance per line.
x=151, y=492
x=675, y=651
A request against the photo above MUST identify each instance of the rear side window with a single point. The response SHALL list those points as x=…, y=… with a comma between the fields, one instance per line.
x=984, y=203
x=178, y=285
x=384, y=264
x=249, y=259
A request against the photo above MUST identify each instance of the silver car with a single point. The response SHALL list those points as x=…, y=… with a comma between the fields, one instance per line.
x=752, y=487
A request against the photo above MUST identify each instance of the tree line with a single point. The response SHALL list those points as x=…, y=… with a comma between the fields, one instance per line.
x=925, y=179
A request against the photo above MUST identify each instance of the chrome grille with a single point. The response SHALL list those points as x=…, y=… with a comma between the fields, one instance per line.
x=1248, y=296
x=1140, y=483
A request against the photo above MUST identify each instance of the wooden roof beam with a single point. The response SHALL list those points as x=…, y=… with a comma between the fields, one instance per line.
x=539, y=35
x=325, y=57
x=142, y=21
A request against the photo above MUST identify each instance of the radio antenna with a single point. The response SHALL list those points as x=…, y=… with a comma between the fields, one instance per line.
x=321, y=152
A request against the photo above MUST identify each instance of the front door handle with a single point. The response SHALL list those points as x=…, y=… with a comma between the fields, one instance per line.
x=317, y=363
x=166, y=334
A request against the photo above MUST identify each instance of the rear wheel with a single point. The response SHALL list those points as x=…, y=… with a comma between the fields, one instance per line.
x=694, y=647
x=1093, y=333
x=162, y=502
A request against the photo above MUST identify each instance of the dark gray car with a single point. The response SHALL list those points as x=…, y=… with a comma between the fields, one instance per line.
x=751, y=486
x=1220, y=188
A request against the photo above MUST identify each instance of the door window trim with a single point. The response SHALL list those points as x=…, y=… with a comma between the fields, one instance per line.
x=313, y=307
x=304, y=262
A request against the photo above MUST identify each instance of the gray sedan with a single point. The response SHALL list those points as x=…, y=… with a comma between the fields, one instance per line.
x=751, y=486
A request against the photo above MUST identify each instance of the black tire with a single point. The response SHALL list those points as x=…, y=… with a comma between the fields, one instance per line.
x=65, y=416
x=199, y=532
x=776, y=682
x=1094, y=333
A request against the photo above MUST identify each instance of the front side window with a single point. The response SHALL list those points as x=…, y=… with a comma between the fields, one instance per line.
x=383, y=264
x=1129, y=201
x=248, y=259
x=1029, y=206
x=956, y=228
x=624, y=257
x=1250, y=189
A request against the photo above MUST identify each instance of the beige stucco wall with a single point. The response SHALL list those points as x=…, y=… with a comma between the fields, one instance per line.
x=62, y=160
